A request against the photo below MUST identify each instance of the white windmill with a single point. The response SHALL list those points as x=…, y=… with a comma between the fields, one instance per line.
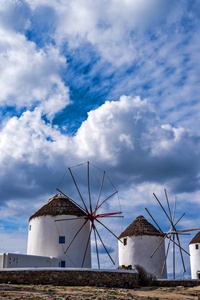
x=49, y=237
x=77, y=218
x=139, y=240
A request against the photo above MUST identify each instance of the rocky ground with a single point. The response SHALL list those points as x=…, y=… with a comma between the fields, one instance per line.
x=11, y=291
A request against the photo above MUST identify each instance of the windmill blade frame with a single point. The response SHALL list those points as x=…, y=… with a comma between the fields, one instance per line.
x=172, y=234
x=93, y=211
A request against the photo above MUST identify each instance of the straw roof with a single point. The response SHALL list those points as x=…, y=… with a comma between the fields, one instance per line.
x=58, y=205
x=196, y=239
x=140, y=226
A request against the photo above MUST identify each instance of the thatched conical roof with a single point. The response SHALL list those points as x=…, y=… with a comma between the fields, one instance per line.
x=58, y=205
x=140, y=226
x=196, y=239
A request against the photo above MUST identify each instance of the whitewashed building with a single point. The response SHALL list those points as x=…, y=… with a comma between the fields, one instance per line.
x=194, y=247
x=138, y=241
x=16, y=260
x=52, y=229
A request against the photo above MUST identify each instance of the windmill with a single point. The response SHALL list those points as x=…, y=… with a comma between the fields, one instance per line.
x=173, y=234
x=94, y=194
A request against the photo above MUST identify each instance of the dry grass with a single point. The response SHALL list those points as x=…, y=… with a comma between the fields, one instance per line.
x=11, y=291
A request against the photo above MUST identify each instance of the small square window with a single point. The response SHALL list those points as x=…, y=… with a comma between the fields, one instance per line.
x=197, y=246
x=61, y=239
x=29, y=227
x=125, y=241
x=62, y=263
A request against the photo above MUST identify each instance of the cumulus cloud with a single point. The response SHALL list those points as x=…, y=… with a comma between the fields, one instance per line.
x=128, y=134
x=30, y=76
x=29, y=139
x=125, y=135
x=106, y=128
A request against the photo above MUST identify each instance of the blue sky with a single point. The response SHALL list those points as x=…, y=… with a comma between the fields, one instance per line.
x=112, y=82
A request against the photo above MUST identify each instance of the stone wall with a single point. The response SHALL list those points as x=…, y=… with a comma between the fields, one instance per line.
x=80, y=277
x=177, y=282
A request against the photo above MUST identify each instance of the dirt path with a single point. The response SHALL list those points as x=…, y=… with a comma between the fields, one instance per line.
x=10, y=291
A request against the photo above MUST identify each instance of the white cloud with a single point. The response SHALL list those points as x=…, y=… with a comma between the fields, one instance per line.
x=107, y=127
x=28, y=138
x=110, y=26
x=30, y=76
x=136, y=149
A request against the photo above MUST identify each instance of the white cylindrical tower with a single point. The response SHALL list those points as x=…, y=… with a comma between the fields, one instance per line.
x=139, y=240
x=194, y=247
x=49, y=236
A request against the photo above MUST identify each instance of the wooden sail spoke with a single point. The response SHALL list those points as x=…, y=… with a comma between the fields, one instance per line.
x=172, y=222
x=78, y=190
x=161, y=242
x=163, y=208
x=74, y=202
x=88, y=180
x=97, y=251
x=166, y=255
x=86, y=248
x=105, y=247
x=106, y=199
x=109, y=215
x=179, y=219
x=181, y=252
x=75, y=236
x=168, y=204
x=108, y=229
x=100, y=192
x=154, y=220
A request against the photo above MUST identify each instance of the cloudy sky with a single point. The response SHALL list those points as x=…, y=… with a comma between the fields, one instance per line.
x=113, y=82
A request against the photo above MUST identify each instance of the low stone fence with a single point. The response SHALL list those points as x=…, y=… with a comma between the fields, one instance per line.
x=70, y=277
x=177, y=282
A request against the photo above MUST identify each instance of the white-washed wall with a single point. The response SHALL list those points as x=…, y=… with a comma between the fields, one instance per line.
x=138, y=251
x=15, y=260
x=43, y=239
x=194, y=260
